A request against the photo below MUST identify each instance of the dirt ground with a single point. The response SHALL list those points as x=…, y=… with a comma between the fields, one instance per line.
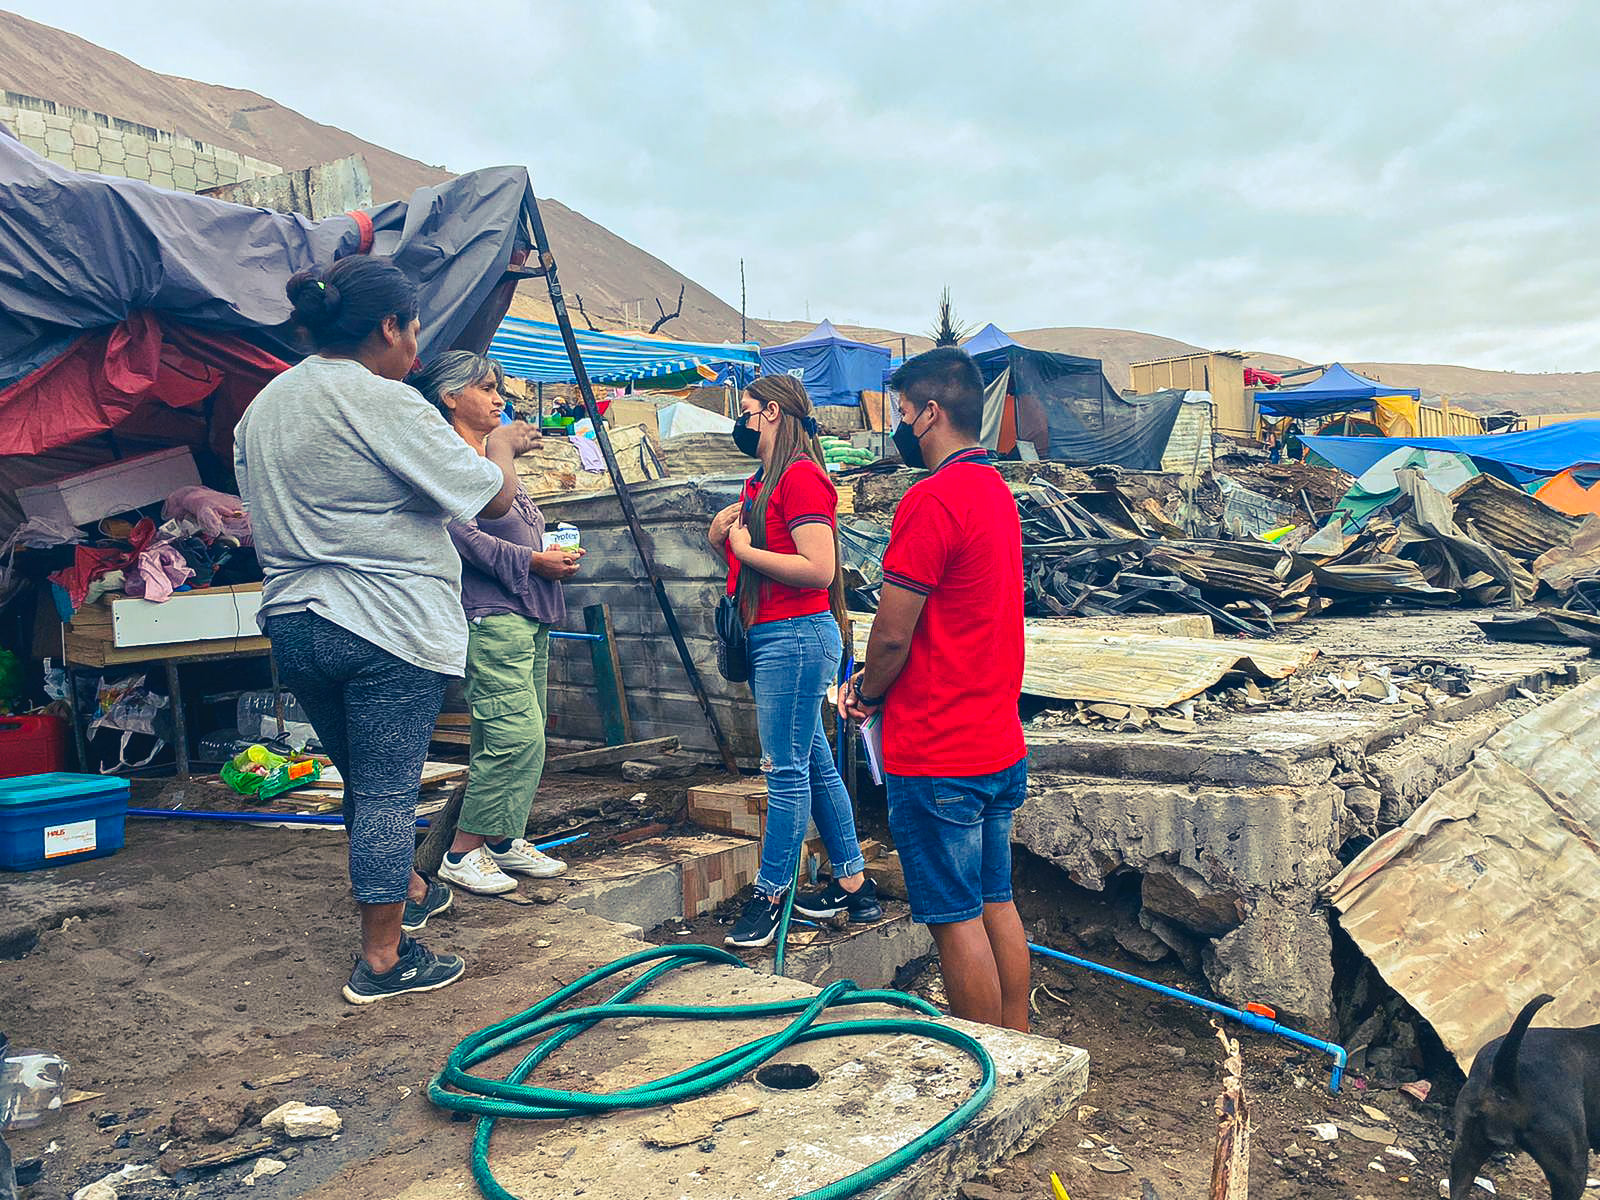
x=215, y=990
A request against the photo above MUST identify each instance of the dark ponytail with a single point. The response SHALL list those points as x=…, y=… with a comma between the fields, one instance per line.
x=340, y=307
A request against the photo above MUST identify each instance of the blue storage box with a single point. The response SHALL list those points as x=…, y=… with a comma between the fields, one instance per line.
x=53, y=819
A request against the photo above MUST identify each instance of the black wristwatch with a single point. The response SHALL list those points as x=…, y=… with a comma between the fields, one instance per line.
x=870, y=701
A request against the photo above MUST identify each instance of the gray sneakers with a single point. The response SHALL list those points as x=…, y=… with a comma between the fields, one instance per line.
x=419, y=970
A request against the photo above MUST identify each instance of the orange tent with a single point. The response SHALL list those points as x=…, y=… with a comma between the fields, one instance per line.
x=1565, y=493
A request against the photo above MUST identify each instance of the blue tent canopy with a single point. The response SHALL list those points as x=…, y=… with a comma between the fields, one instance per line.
x=834, y=369
x=1336, y=390
x=1538, y=451
x=533, y=350
x=990, y=337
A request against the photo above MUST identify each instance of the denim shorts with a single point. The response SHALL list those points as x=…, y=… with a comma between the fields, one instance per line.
x=954, y=839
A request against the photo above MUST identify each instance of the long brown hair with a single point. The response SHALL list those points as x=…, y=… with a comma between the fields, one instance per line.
x=792, y=440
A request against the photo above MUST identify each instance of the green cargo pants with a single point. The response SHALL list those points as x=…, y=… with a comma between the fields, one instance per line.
x=508, y=665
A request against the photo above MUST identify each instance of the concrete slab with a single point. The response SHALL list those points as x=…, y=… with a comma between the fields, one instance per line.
x=874, y=1094
x=660, y=879
x=871, y=955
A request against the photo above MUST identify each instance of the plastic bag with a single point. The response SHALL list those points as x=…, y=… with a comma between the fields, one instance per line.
x=128, y=706
x=261, y=773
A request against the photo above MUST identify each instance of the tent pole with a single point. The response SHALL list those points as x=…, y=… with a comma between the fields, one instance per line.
x=558, y=303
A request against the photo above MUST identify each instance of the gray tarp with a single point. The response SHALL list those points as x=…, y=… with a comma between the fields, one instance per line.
x=81, y=252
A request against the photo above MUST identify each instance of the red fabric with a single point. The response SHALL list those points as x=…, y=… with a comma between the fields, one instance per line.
x=107, y=378
x=88, y=564
x=956, y=539
x=805, y=496
x=1257, y=378
x=364, y=224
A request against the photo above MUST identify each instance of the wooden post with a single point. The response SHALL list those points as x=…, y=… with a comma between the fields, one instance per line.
x=1230, y=1166
x=608, y=689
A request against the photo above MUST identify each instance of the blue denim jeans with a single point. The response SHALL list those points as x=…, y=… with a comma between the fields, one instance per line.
x=954, y=839
x=792, y=664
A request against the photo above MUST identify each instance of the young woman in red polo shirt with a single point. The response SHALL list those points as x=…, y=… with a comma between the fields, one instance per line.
x=782, y=545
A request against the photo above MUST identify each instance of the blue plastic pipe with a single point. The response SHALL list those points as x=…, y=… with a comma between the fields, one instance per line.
x=1249, y=1020
x=261, y=818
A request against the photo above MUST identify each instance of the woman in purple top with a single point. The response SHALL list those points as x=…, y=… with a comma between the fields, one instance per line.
x=511, y=590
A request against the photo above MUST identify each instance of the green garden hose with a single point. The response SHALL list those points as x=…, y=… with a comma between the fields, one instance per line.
x=457, y=1089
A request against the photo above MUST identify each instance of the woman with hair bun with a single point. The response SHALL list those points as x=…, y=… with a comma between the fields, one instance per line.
x=350, y=478
x=782, y=544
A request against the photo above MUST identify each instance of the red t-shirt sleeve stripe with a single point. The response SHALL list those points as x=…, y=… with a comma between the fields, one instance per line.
x=809, y=519
x=905, y=581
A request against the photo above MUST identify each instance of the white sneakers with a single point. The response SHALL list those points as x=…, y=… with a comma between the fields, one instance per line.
x=526, y=859
x=484, y=871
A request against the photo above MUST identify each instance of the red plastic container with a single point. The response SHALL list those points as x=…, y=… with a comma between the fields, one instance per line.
x=32, y=746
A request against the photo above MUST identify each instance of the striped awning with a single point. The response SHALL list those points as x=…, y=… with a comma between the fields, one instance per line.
x=533, y=350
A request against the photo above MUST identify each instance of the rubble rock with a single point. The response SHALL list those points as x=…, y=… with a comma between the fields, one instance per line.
x=1282, y=955
x=1183, y=897
x=263, y=1169
x=299, y=1120
x=1141, y=944
x=210, y=1119
x=1178, y=941
x=1363, y=803
x=99, y=1190
x=980, y=1191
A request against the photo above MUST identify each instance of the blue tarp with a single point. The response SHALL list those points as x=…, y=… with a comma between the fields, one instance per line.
x=1336, y=390
x=990, y=337
x=834, y=369
x=1539, y=451
x=533, y=350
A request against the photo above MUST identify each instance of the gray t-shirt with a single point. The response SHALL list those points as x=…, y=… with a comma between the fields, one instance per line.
x=349, y=479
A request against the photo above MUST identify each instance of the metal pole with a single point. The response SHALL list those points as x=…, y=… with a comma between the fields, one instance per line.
x=624, y=497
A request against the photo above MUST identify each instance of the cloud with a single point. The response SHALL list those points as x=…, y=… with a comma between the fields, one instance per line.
x=1366, y=180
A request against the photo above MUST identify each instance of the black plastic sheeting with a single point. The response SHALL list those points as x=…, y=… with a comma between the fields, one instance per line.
x=1088, y=423
x=81, y=252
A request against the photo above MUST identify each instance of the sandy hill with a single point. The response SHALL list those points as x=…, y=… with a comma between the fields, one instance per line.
x=596, y=264
x=605, y=270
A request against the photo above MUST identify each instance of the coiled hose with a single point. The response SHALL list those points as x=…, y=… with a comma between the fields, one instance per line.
x=457, y=1089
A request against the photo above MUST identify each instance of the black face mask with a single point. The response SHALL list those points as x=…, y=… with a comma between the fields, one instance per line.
x=909, y=445
x=746, y=439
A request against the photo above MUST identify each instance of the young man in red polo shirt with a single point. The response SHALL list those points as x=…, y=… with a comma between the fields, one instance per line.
x=945, y=665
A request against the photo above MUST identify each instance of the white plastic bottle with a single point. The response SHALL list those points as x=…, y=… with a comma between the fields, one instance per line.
x=33, y=1086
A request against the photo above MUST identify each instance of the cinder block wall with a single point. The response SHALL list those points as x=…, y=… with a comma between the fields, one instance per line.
x=91, y=141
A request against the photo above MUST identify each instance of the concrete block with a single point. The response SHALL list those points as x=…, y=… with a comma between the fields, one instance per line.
x=160, y=160
x=29, y=123
x=182, y=156
x=137, y=168
x=872, y=955
x=163, y=179
x=738, y=807
x=59, y=141
x=710, y=879
x=136, y=145
x=36, y=144
x=185, y=178
x=111, y=148
x=58, y=121
x=85, y=134
x=205, y=171
x=645, y=900
x=1281, y=956
x=86, y=158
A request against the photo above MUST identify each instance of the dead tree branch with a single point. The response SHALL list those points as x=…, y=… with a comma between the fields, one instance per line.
x=578, y=300
x=668, y=316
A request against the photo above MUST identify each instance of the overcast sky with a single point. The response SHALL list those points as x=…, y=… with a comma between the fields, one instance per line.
x=1390, y=180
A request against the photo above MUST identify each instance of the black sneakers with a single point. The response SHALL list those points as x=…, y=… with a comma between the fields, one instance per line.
x=419, y=970
x=862, y=904
x=757, y=923
x=417, y=912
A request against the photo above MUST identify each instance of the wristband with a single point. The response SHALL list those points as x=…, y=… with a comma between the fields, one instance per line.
x=870, y=701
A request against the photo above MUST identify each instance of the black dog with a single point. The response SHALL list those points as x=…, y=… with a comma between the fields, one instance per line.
x=1535, y=1090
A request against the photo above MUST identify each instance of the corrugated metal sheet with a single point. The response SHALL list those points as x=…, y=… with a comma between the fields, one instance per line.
x=1067, y=663
x=674, y=514
x=1487, y=896
x=1189, y=447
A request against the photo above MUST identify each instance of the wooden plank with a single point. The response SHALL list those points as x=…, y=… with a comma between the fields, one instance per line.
x=889, y=875
x=738, y=807
x=608, y=690
x=609, y=756
x=88, y=651
x=432, y=773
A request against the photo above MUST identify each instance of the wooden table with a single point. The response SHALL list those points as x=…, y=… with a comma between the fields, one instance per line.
x=89, y=640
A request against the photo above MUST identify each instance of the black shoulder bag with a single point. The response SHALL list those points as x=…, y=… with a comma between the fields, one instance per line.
x=733, y=650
